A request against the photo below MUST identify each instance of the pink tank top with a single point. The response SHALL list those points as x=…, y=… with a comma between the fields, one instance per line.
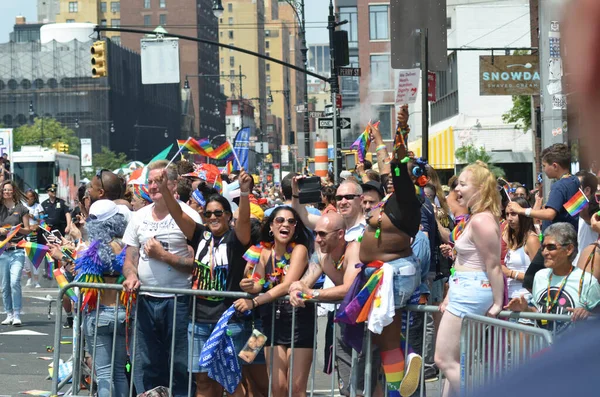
x=466, y=252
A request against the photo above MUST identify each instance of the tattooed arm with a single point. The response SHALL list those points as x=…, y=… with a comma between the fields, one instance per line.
x=130, y=265
x=155, y=250
x=310, y=277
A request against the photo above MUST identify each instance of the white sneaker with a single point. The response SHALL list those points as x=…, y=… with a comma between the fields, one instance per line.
x=37, y=285
x=16, y=321
x=412, y=375
x=29, y=283
x=8, y=320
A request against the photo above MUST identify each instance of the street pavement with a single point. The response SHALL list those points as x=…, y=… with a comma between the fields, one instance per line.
x=23, y=355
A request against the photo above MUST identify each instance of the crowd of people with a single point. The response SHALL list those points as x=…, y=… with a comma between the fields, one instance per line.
x=475, y=246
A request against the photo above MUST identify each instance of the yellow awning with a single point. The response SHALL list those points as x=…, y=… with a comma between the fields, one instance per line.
x=441, y=149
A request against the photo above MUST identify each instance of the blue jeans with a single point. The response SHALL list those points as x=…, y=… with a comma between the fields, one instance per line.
x=11, y=263
x=154, y=327
x=104, y=330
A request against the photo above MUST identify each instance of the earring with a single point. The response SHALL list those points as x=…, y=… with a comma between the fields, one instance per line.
x=270, y=233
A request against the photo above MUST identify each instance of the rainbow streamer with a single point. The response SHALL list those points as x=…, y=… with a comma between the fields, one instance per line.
x=60, y=278
x=34, y=251
x=358, y=309
x=252, y=255
x=223, y=152
x=577, y=203
x=362, y=143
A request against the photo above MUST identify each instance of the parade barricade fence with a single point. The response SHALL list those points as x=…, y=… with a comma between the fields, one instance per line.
x=489, y=347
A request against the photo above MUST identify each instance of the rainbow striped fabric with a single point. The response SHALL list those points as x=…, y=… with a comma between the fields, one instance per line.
x=252, y=255
x=358, y=309
x=576, y=203
x=11, y=233
x=223, y=152
x=362, y=143
x=62, y=281
x=34, y=251
x=192, y=146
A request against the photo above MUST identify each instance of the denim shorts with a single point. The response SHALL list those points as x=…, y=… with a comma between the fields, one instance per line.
x=407, y=278
x=201, y=334
x=470, y=293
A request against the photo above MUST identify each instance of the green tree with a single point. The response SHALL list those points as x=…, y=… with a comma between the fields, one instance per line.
x=106, y=159
x=470, y=154
x=520, y=113
x=46, y=132
x=313, y=100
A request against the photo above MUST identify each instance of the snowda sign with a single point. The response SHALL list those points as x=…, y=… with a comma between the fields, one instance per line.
x=509, y=75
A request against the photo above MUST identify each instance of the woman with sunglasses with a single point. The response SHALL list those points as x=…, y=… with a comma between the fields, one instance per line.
x=287, y=246
x=560, y=288
x=12, y=260
x=219, y=267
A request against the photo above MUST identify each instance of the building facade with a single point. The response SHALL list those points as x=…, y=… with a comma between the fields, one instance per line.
x=47, y=10
x=103, y=13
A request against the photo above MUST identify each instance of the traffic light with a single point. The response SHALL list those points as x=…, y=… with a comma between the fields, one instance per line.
x=56, y=145
x=98, y=51
x=340, y=46
x=64, y=148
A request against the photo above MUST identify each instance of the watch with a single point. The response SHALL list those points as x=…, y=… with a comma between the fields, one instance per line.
x=528, y=212
x=315, y=294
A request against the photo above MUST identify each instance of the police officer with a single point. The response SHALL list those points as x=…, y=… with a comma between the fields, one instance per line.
x=58, y=214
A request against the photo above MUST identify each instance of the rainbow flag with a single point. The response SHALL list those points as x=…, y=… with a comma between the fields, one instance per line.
x=49, y=266
x=205, y=144
x=218, y=184
x=34, y=251
x=45, y=226
x=358, y=309
x=11, y=233
x=253, y=254
x=223, y=152
x=192, y=146
x=60, y=278
x=362, y=143
x=576, y=203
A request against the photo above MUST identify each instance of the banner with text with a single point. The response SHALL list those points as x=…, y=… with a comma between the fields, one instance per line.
x=509, y=75
x=6, y=142
x=86, y=152
x=408, y=84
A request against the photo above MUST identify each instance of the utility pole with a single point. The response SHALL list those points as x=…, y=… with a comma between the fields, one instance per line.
x=304, y=51
x=335, y=89
x=424, y=93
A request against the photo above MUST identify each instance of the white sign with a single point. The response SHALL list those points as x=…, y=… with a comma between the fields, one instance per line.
x=300, y=108
x=285, y=155
x=408, y=84
x=559, y=102
x=6, y=142
x=160, y=61
x=86, y=152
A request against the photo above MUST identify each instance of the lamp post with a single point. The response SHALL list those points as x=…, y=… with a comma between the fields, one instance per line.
x=286, y=95
x=218, y=8
x=137, y=127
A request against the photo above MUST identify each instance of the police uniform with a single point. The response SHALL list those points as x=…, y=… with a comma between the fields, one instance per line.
x=56, y=212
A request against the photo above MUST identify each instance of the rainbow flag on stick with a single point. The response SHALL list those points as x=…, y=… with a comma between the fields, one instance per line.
x=576, y=203
x=193, y=146
x=34, y=251
x=223, y=152
x=362, y=143
x=60, y=278
x=11, y=233
x=252, y=255
x=45, y=226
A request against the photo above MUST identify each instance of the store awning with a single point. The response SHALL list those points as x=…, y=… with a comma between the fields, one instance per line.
x=441, y=149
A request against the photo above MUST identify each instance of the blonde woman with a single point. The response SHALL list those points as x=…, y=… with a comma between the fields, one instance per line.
x=477, y=285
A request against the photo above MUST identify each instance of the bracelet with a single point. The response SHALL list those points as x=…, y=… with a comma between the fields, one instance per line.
x=380, y=147
x=528, y=212
x=255, y=302
x=244, y=194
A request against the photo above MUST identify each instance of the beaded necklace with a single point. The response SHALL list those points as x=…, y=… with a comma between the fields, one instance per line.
x=551, y=302
x=279, y=269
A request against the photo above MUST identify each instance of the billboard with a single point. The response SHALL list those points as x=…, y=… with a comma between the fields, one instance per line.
x=6, y=142
x=509, y=75
x=86, y=152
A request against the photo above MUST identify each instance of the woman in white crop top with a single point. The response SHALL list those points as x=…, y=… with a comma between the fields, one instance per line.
x=523, y=243
x=477, y=285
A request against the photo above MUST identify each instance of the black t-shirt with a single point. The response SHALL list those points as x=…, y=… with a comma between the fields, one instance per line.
x=57, y=213
x=228, y=267
x=13, y=217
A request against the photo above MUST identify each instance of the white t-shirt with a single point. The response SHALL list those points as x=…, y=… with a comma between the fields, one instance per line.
x=34, y=211
x=585, y=237
x=152, y=272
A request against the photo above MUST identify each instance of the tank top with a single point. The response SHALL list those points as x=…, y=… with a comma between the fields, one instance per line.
x=518, y=261
x=467, y=254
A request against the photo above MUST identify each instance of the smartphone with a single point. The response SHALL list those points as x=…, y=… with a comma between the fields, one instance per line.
x=50, y=239
x=57, y=234
x=310, y=190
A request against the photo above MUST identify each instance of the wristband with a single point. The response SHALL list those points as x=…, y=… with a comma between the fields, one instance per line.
x=528, y=212
x=255, y=302
x=380, y=147
x=244, y=194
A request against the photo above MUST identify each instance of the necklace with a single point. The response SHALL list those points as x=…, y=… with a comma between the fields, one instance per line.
x=340, y=262
x=549, y=301
x=279, y=269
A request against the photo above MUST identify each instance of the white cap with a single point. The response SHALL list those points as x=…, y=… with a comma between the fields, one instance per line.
x=102, y=210
x=345, y=174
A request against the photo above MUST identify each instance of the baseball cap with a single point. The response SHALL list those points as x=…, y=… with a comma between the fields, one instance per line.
x=345, y=174
x=373, y=186
x=102, y=210
x=51, y=188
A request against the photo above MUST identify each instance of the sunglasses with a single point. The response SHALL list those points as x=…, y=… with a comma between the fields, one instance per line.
x=217, y=213
x=99, y=176
x=280, y=220
x=551, y=247
x=323, y=234
x=348, y=197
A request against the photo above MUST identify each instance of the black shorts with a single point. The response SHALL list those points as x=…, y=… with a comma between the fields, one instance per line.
x=304, y=330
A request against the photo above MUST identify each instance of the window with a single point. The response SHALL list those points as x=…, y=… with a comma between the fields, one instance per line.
x=231, y=87
x=102, y=22
x=268, y=78
x=350, y=85
x=268, y=67
x=449, y=23
x=384, y=115
x=231, y=62
x=268, y=53
x=147, y=20
x=230, y=34
x=230, y=20
x=162, y=3
x=381, y=72
x=162, y=19
x=378, y=23
x=73, y=21
x=221, y=34
x=446, y=92
x=231, y=72
x=115, y=6
x=222, y=60
x=351, y=15
x=147, y=4
x=267, y=33
x=266, y=44
x=115, y=23
x=230, y=7
x=73, y=7
x=103, y=6
x=235, y=108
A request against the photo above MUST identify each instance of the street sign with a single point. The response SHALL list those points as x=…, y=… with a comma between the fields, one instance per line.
x=352, y=72
x=431, y=85
x=300, y=108
x=327, y=123
x=328, y=112
x=315, y=115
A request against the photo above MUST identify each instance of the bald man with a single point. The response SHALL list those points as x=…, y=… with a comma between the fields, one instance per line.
x=107, y=185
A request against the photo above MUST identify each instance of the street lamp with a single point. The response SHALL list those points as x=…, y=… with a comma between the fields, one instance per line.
x=218, y=8
x=112, y=127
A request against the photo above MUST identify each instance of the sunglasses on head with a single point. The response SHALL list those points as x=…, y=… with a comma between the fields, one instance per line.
x=348, y=197
x=99, y=176
x=280, y=220
x=217, y=213
x=551, y=247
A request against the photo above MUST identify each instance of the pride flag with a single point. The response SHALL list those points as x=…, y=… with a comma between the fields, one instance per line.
x=252, y=255
x=358, y=309
x=11, y=233
x=45, y=226
x=34, y=251
x=577, y=203
x=60, y=278
x=362, y=143
x=223, y=152
x=193, y=146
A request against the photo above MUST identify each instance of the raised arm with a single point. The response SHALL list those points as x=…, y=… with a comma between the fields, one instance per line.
x=242, y=225
x=183, y=220
x=309, y=220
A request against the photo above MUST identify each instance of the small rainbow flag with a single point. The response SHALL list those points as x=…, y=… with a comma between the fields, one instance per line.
x=576, y=203
x=252, y=255
x=228, y=167
x=191, y=145
x=223, y=152
x=45, y=226
x=218, y=184
x=34, y=251
x=49, y=266
x=205, y=144
x=362, y=143
x=60, y=278
x=11, y=233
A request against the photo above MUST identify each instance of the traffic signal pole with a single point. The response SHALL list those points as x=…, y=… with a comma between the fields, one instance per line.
x=335, y=89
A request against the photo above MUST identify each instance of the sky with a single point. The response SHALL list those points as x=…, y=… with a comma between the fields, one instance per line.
x=316, y=18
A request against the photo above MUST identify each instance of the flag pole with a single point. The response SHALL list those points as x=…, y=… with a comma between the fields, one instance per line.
x=235, y=155
x=178, y=152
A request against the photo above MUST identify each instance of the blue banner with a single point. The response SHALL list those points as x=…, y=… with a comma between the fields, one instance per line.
x=241, y=145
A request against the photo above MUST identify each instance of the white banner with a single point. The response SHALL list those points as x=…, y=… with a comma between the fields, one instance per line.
x=86, y=152
x=6, y=142
x=285, y=155
x=408, y=84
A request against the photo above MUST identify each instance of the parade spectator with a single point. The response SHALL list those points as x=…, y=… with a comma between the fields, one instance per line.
x=57, y=211
x=372, y=194
x=585, y=234
x=107, y=185
x=158, y=256
x=36, y=214
x=328, y=199
x=141, y=197
x=12, y=213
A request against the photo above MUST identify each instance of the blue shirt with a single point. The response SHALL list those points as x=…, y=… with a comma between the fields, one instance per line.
x=421, y=250
x=561, y=191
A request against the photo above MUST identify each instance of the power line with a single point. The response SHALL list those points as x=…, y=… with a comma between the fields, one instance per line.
x=495, y=30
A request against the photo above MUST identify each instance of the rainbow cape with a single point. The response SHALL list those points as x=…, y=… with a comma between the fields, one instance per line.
x=34, y=251
x=357, y=311
x=11, y=233
x=223, y=152
x=362, y=143
x=60, y=278
x=576, y=203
